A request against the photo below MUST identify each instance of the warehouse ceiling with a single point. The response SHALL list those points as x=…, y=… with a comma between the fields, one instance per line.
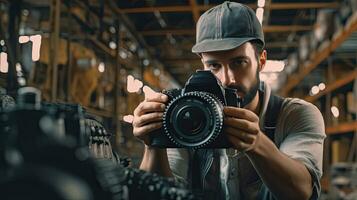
x=168, y=27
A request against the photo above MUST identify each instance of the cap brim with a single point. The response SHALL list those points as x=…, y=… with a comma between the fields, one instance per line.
x=220, y=44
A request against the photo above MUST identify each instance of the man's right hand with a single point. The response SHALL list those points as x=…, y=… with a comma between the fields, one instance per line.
x=148, y=116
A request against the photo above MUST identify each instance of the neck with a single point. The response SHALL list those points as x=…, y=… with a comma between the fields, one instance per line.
x=254, y=105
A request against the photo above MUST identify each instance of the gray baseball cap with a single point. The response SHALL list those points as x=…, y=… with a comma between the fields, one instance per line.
x=227, y=26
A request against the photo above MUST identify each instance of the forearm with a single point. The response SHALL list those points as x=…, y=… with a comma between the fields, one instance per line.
x=286, y=178
x=155, y=160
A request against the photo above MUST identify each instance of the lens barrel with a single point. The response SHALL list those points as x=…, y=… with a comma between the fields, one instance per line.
x=193, y=119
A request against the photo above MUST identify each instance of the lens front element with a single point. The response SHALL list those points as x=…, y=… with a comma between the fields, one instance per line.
x=194, y=119
x=191, y=120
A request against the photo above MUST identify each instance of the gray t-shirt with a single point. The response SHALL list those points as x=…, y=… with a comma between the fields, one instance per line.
x=299, y=134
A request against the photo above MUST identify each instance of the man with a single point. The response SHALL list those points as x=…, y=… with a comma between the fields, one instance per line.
x=288, y=165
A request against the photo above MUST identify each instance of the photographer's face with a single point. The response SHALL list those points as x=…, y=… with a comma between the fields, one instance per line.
x=238, y=68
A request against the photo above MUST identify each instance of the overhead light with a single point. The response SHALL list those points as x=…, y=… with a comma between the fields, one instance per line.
x=171, y=39
x=132, y=47
x=322, y=86
x=18, y=67
x=112, y=29
x=315, y=90
x=4, y=65
x=273, y=76
x=130, y=83
x=160, y=19
x=335, y=111
x=157, y=72
x=268, y=77
x=2, y=42
x=138, y=84
x=261, y=3
x=112, y=45
x=123, y=54
x=146, y=62
x=263, y=76
x=148, y=92
x=274, y=66
x=133, y=85
x=260, y=14
x=25, y=12
x=128, y=118
x=22, y=81
x=24, y=39
x=36, y=47
x=101, y=67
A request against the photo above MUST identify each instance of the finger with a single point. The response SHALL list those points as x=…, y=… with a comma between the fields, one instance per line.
x=242, y=124
x=156, y=97
x=147, y=129
x=147, y=118
x=237, y=143
x=245, y=137
x=146, y=107
x=240, y=113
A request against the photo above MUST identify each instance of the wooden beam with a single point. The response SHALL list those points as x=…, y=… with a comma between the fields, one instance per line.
x=269, y=45
x=168, y=31
x=333, y=86
x=158, y=8
x=267, y=11
x=289, y=28
x=180, y=63
x=267, y=29
x=281, y=44
x=295, y=6
x=342, y=128
x=102, y=46
x=294, y=80
x=55, y=8
x=273, y=6
x=195, y=11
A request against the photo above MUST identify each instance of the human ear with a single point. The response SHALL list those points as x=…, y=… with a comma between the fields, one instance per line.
x=262, y=60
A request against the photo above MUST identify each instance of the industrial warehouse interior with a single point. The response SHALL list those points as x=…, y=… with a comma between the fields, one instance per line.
x=81, y=83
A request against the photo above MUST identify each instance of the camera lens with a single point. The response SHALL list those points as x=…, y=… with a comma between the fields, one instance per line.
x=194, y=119
x=191, y=119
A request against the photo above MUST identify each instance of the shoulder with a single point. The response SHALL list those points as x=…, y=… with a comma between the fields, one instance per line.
x=295, y=105
x=298, y=115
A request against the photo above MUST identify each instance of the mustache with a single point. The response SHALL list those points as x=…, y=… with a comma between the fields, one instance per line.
x=239, y=88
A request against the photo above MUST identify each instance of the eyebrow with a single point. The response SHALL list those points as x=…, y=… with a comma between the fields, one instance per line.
x=230, y=60
x=238, y=58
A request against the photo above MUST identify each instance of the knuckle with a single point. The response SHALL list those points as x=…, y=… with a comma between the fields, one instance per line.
x=138, y=108
x=246, y=125
x=139, y=121
x=256, y=118
x=159, y=115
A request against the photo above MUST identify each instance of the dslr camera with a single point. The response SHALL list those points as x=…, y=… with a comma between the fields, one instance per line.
x=193, y=118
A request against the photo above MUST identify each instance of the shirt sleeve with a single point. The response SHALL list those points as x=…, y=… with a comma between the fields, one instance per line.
x=179, y=161
x=305, y=132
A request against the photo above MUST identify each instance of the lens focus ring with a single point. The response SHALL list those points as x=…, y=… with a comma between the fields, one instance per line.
x=203, y=114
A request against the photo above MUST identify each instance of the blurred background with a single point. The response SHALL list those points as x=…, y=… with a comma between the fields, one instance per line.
x=104, y=54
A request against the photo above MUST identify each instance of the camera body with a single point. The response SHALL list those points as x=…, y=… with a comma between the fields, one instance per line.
x=194, y=115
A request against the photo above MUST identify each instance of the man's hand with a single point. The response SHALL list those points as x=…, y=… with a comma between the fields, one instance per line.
x=148, y=116
x=241, y=127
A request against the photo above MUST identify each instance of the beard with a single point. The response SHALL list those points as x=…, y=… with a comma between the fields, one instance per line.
x=249, y=93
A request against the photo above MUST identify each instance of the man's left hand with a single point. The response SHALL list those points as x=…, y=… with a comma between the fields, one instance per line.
x=241, y=127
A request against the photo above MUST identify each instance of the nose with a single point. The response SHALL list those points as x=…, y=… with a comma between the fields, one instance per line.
x=227, y=77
